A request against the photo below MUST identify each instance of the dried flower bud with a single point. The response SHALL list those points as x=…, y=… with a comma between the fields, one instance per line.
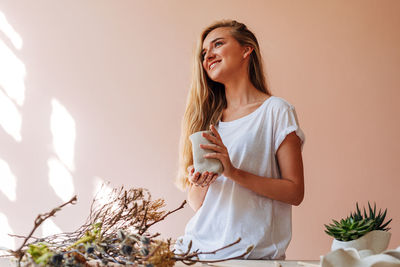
x=121, y=235
x=145, y=240
x=127, y=250
x=81, y=248
x=57, y=259
x=90, y=250
x=144, y=251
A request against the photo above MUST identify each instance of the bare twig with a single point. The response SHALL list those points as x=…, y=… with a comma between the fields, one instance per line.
x=19, y=253
x=117, y=231
x=187, y=257
x=227, y=246
x=163, y=217
x=153, y=252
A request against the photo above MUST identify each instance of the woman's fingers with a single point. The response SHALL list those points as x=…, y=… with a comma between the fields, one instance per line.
x=205, y=179
x=202, y=178
x=213, y=156
x=212, y=147
x=212, y=139
x=194, y=178
x=190, y=169
x=208, y=179
x=213, y=178
x=215, y=132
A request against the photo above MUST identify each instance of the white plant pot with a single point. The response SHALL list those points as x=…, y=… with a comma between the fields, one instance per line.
x=376, y=241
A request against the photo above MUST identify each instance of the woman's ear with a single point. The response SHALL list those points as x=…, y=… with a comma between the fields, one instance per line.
x=247, y=51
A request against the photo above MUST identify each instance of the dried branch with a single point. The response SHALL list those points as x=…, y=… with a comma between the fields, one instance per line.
x=163, y=217
x=189, y=258
x=227, y=246
x=19, y=253
x=116, y=231
x=226, y=259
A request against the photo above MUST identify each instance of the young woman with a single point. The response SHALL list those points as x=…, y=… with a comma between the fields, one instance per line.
x=257, y=138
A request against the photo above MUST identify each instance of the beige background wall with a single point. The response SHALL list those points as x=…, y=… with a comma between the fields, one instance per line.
x=118, y=72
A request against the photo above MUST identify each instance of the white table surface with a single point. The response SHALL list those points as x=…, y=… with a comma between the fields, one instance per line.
x=257, y=263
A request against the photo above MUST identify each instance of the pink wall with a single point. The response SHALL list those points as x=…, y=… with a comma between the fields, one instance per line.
x=122, y=72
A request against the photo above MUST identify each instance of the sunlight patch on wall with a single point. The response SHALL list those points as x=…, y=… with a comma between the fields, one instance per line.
x=12, y=74
x=102, y=191
x=10, y=118
x=60, y=179
x=9, y=31
x=50, y=228
x=12, y=86
x=63, y=129
x=8, y=182
x=6, y=241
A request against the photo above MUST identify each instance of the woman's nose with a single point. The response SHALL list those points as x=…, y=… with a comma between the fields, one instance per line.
x=209, y=54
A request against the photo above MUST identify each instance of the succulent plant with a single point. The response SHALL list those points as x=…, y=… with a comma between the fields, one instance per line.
x=358, y=224
x=377, y=218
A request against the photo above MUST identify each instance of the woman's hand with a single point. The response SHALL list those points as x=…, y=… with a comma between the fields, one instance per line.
x=203, y=180
x=221, y=152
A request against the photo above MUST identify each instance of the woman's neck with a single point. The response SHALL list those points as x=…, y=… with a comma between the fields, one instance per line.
x=241, y=92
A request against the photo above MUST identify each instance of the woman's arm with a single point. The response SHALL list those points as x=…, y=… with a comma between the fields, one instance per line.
x=288, y=189
x=196, y=195
x=198, y=187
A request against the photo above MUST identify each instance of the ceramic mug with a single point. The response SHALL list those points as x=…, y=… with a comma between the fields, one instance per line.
x=200, y=163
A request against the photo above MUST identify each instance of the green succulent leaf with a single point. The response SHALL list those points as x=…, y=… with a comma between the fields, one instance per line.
x=386, y=224
x=356, y=224
x=358, y=210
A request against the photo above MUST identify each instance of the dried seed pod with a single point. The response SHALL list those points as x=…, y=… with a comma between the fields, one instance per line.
x=145, y=240
x=121, y=235
x=57, y=259
x=144, y=251
x=90, y=249
x=127, y=250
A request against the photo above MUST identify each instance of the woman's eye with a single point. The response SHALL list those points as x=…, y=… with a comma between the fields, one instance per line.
x=216, y=44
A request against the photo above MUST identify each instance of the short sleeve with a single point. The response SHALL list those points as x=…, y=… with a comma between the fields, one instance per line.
x=286, y=123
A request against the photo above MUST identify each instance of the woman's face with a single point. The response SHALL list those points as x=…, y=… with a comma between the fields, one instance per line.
x=222, y=55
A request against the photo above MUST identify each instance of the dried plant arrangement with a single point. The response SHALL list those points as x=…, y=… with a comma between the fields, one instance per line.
x=115, y=233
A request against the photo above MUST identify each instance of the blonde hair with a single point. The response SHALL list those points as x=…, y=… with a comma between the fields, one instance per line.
x=206, y=98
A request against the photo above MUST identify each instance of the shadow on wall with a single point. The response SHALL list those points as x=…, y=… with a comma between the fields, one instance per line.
x=21, y=173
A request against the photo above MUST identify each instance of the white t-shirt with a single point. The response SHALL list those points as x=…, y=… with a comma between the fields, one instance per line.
x=229, y=210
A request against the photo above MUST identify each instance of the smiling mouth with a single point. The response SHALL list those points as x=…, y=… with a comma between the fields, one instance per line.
x=213, y=64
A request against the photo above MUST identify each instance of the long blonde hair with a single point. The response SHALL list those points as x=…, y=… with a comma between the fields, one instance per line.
x=206, y=99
